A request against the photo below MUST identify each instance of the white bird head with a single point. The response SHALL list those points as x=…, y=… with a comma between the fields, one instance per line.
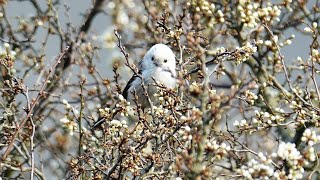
x=161, y=56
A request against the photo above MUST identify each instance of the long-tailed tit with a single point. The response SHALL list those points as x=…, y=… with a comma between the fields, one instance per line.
x=158, y=64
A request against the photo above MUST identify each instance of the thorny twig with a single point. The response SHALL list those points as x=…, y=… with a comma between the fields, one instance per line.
x=212, y=61
x=33, y=104
x=286, y=72
x=96, y=8
x=26, y=93
x=37, y=171
x=125, y=54
x=134, y=70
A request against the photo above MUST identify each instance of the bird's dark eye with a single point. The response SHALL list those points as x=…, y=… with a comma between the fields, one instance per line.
x=165, y=61
x=152, y=58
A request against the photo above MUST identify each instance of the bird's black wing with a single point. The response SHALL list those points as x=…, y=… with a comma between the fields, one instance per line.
x=98, y=123
x=125, y=92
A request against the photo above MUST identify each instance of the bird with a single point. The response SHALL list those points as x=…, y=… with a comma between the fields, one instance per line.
x=158, y=64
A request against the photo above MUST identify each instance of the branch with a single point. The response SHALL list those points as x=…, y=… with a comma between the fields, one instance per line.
x=97, y=7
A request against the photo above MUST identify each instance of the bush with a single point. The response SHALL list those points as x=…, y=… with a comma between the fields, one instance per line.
x=244, y=107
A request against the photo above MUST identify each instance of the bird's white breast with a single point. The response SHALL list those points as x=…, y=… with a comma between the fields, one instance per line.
x=164, y=77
